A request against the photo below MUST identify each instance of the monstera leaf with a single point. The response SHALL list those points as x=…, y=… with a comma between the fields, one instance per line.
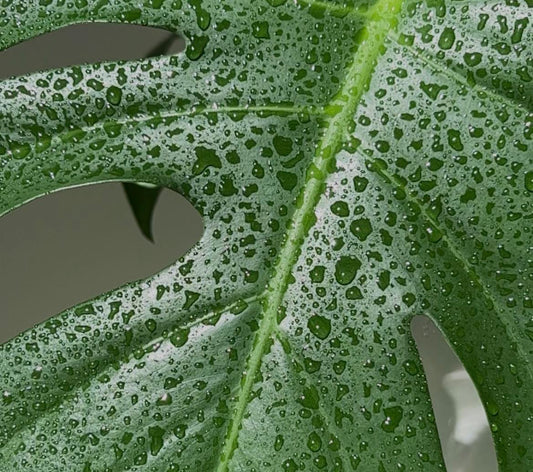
x=355, y=163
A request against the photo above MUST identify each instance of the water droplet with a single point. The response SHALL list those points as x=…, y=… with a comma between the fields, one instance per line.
x=528, y=181
x=164, y=400
x=317, y=274
x=278, y=442
x=410, y=367
x=361, y=228
x=197, y=45
x=180, y=337
x=346, y=269
x=340, y=208
x=319, y=326
x=205, y=158
x=309, y=398
x=156, y=439
x=282, y=145
x=447, y=38
x=114, y=95
x=260, y=30
x=434, y=233
x=360, y=183
x=393, y=416
x=314, y=443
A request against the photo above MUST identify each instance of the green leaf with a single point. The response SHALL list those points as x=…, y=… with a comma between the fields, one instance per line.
x=143, y=197
x=143, y=200
x=356, y=164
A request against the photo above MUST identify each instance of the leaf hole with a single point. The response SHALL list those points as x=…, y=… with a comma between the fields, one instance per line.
x=461, y=419
x=72, y=245
x=87, y=43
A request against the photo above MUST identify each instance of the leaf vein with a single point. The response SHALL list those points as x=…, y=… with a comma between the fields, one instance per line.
x=329, y=425
x=67, y=396
x=381, y=19
x=171, y=114
x=457, y=77
x=456, y=252
x=334, y=8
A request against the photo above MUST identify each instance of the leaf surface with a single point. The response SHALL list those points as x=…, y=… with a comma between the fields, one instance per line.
x=355, y=163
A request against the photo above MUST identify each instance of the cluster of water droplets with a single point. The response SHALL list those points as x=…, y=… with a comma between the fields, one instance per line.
x=424, y=209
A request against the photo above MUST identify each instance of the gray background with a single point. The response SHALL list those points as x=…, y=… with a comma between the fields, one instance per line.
x=73, y=245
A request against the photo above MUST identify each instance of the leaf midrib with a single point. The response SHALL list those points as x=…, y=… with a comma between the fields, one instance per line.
x=341, y=109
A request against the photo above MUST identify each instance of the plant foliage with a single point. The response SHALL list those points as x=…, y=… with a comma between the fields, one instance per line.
x=356, y=163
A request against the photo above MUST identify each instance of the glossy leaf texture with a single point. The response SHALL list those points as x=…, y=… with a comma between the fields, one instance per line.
x=356, y=164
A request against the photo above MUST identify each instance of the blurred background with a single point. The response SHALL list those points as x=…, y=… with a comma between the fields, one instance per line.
x=62, y=249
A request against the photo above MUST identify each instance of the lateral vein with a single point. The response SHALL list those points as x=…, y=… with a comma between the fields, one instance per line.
x=430, y=62
x=458, y=254
x=333, y=8
x=275, y=109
